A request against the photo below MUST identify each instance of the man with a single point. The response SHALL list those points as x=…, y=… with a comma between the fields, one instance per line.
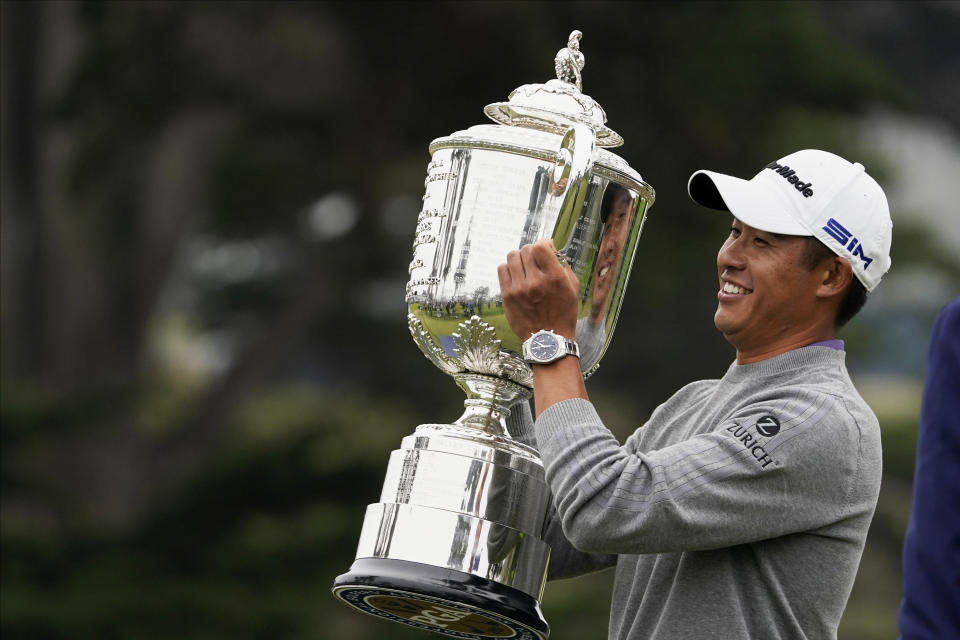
x=740, y=509
x=931, y=551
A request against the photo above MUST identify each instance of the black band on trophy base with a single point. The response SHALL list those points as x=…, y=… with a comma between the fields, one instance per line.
x=441, y=600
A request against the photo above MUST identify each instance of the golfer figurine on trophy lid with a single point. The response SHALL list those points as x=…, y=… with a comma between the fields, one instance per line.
x=455, y=544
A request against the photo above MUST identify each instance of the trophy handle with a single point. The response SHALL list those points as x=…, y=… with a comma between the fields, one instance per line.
x=570, y=174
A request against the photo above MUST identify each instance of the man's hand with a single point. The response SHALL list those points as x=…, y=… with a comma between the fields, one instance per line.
x=538, y=292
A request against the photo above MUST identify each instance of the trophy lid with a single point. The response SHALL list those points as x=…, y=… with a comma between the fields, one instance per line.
x=558, y=103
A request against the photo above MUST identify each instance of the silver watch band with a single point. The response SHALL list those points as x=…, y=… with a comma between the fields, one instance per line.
x=571, y=348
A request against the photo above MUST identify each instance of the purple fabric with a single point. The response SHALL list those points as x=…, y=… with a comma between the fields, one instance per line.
x=833, y=344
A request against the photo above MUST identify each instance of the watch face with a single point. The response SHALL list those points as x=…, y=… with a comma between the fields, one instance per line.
x=544, y=347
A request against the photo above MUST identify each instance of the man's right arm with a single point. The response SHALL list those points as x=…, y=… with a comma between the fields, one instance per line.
x=565, y=560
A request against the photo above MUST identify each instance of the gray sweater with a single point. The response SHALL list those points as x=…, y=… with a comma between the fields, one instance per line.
x=739, y=510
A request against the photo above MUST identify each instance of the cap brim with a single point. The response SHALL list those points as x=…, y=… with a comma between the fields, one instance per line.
x=751, y=202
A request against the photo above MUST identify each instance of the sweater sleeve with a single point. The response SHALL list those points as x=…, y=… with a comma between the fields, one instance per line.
x=565, y=560
x=729, y=485
x=520, y=424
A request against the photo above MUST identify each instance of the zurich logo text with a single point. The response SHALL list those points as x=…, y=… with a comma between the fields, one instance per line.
x=751, y=444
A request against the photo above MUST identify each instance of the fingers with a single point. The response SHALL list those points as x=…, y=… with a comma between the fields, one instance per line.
x=538, y=255
x=503, y=274
x=543, y=255
x=529, y=262
x=515, y=264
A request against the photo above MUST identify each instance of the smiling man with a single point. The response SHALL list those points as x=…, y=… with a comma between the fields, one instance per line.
x=740, y=509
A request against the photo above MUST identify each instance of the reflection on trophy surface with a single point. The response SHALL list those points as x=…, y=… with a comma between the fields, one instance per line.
x=454, y=545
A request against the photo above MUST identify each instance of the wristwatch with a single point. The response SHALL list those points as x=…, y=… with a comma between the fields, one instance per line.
x=545, y=346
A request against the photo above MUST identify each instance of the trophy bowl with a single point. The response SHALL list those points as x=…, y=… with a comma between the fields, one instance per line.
x=455, y=544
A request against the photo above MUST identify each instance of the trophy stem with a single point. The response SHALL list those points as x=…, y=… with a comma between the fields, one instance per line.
x=488, y=401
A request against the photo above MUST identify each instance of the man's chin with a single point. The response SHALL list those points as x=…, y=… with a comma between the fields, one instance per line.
x=718, y=319
x=724, y=324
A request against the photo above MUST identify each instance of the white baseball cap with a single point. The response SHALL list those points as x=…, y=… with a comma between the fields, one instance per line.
x=810, y=193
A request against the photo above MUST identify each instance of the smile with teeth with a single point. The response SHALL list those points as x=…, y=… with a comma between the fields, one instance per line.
x=603, y=271
x=729, y=287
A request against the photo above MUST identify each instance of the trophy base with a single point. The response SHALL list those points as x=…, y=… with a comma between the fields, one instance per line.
x=441, y=600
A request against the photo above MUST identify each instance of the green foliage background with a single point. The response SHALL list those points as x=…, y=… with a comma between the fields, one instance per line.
x=207, y=216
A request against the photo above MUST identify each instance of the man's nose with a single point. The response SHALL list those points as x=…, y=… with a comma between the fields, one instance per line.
x=731, y=255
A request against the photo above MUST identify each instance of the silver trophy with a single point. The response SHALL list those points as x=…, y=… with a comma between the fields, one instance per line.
x=454, y=546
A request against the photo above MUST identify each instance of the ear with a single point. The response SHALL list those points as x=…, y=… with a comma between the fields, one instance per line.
x=836, y=276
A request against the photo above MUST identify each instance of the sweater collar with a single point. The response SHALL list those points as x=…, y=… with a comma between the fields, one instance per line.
x=833, y=344
x=791, y=360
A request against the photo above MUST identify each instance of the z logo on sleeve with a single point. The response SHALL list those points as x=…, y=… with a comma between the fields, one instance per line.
x=768, y=426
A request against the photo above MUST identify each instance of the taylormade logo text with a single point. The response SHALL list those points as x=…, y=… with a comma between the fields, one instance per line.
x=806, y=188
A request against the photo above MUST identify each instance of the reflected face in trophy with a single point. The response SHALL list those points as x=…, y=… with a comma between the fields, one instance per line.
x=617, y=214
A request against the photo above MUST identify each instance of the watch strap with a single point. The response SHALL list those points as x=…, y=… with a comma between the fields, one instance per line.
x=571, y=348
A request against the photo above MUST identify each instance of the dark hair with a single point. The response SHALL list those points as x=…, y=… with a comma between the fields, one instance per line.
x=816, y=252
x=606, y=204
